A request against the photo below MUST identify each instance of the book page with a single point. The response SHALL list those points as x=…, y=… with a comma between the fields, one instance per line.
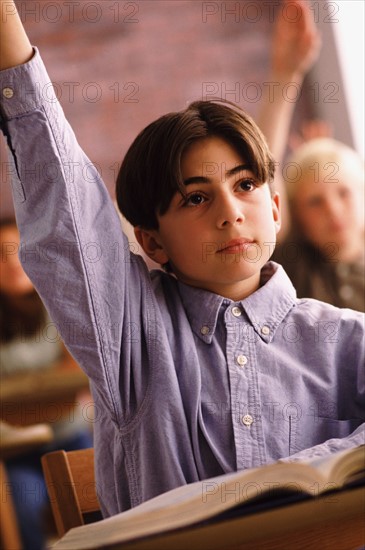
x=194, y=503
x=342, y=467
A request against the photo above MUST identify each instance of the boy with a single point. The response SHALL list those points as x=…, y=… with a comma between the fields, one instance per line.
x=212, y=367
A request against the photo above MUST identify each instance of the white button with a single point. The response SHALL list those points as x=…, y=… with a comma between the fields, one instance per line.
x=236, y=311
x=241, y=360
x=346, y=292
x=247, y=420
x=204, y=330
x=265, y=330
x=8, y=93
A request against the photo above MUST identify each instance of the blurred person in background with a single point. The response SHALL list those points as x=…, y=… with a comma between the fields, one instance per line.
x=321, y=186
x=323, y=253
x=30, y=346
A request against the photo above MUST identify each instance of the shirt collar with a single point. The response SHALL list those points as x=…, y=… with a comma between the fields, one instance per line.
x=265, y=308
x=202, y=308
x=270, y=304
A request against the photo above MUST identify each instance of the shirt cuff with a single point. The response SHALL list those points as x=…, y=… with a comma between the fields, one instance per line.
x=25, y=88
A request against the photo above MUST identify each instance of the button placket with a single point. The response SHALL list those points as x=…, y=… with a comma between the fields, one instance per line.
x=243, y=377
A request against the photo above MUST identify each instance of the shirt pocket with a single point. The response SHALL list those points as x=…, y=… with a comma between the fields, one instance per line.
x=307, y=432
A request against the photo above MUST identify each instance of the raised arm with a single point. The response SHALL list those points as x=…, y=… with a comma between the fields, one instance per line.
x=15, y=47
x=72, y=246
x=295, y=48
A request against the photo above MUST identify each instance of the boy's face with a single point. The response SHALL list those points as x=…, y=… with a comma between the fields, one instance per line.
x=220, y=235
x=330, y=214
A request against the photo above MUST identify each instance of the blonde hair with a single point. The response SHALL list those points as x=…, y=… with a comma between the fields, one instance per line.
x=322, y=159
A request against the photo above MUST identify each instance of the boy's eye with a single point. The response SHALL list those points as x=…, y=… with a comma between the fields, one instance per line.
x=195, y=199
x=247, y=184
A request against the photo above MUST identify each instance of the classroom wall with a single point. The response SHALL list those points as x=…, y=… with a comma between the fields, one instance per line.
x=117, y=65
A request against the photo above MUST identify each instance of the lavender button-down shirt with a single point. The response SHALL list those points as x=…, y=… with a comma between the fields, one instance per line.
x=187, y=384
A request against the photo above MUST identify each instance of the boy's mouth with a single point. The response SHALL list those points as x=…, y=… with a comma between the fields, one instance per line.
x=234, y=246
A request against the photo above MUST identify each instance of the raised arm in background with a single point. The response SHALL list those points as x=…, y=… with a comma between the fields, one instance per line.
x=295, y=48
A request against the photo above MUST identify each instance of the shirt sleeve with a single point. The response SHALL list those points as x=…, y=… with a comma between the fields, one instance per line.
x=72, y=246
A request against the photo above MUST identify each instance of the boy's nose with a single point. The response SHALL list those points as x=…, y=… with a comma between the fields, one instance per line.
x=229, y=211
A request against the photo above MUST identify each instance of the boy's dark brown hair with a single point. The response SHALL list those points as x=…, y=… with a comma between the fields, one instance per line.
x=150, y=174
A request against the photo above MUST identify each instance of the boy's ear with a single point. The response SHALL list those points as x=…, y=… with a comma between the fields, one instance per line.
x=276, y=211
x=150, y=241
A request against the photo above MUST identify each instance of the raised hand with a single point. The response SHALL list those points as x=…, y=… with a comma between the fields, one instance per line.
x=15, y=47
x=296, y=39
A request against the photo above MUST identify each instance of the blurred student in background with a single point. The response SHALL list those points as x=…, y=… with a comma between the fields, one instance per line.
x=321, y=185
x=29, y=344
x=323, y=253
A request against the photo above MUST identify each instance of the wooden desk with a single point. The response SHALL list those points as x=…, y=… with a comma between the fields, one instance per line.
x=331, y=522
x=25, y=399
x=43, y=396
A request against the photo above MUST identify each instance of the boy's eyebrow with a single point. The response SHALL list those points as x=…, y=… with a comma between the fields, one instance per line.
x=228, y=174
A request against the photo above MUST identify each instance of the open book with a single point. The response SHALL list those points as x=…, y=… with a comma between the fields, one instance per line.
x=209, y=499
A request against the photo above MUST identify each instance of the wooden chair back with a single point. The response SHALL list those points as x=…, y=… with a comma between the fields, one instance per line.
x=9, y=530
x=71, y=488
